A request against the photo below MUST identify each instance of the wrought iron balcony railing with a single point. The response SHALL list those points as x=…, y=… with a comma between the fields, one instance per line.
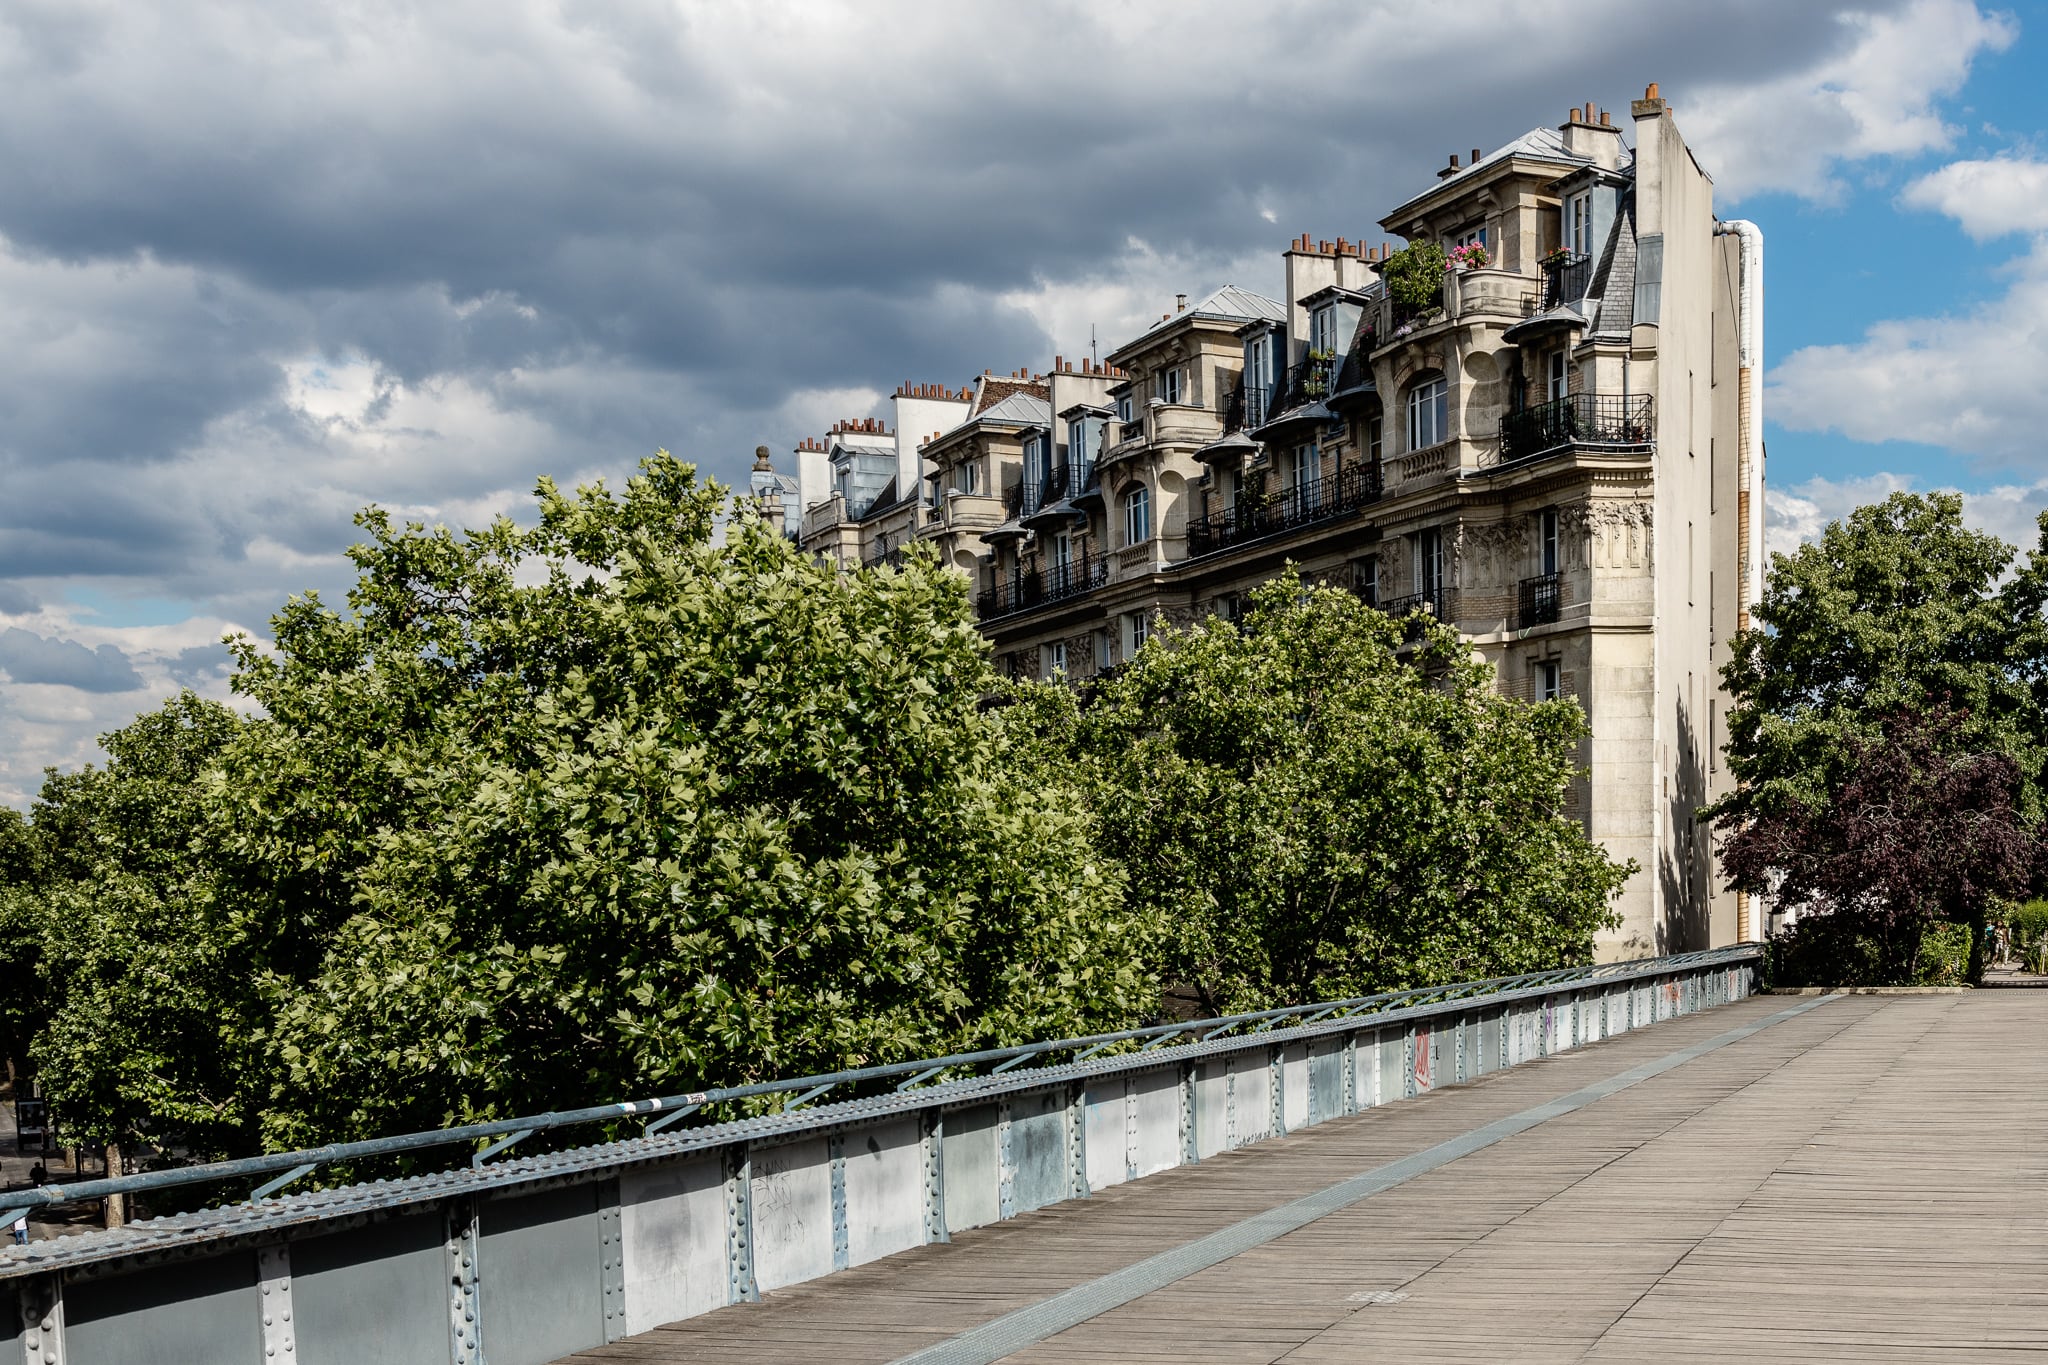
x=884, y=554
x=1035, y=588
x=1612, y=420
x=1566, y=279
x=1537, y=601
x=1254, y=518
x=1036, y=493
x=1428, y=603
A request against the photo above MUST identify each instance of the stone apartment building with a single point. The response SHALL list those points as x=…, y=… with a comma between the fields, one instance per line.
x=1560, y=454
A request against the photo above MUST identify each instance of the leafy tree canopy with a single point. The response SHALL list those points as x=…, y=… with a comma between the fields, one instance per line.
x=1313, y=814
x=616, y=805
x=1896, y=609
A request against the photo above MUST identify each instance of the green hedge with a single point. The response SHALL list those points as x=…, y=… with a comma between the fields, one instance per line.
x=1834, y=950
x=2028, y=925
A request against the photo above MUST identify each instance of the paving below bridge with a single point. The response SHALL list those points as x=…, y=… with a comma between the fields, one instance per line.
x=1862, y=1180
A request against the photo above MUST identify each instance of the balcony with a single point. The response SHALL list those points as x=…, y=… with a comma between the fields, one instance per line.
x=1304, y=504
x=1427, y=603
x=1041, y=587
x=894, y=558
x=1026, y=498
x=1609, y=421
x=1566, y=280
x=1537, y=601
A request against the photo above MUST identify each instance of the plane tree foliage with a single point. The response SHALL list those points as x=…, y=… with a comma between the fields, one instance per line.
x=1886, y=731
x=621, y=802
x=1328, y=802
x=122, y=993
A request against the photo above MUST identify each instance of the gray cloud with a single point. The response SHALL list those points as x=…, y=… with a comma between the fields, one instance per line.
x=26, y=657
x=261, y=265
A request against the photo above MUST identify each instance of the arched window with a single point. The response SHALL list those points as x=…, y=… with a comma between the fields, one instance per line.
x=1138, y=516
x=1429, y=412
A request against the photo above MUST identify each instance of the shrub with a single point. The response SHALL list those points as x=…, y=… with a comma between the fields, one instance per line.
x=1415, y=277
x=1845, y=950
x=2027, y=923
x=1944, y=958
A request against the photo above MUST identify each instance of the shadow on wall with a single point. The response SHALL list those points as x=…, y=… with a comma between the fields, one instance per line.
x=1684, y=870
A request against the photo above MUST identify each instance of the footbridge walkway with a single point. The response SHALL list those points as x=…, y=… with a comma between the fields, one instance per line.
x=1636, y=1161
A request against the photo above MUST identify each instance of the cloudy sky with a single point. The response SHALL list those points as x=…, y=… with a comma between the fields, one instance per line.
x=263, y=264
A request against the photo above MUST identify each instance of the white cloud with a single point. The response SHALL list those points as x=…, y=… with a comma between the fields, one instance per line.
x=1968, y=383
x=1800, y=512
x=1877, y=96
x=1990, y=198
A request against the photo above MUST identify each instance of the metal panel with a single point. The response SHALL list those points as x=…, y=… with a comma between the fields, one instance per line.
x=1326, y=1080
x=1294, y=1077
x=189, y=1313
x=971, y=1176
x=1038, y=1150
x=1254, y=1099
x=1155, y=1143
x=540, y=1293
x=884, y=1190
x=1104, y=1122
x=672, y=1222
x=1422, y=1055
x=393, y=1268
x=1393, y=1068
x=12, y=1314
x=792, y=1198
x=1212, y=1104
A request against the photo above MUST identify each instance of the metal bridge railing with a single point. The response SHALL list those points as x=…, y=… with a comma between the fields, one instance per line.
x=277, y=1170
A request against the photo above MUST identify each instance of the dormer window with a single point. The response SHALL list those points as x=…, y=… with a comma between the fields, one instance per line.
x=1578, y=223
x=1322, y=330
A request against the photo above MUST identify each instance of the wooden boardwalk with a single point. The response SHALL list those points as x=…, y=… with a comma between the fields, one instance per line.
x=1867, y=1180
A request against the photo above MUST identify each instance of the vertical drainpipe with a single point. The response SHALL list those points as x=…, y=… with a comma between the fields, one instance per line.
x=1749, y=459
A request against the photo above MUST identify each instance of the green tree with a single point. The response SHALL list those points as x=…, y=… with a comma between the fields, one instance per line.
x=611, y=805
x=1312, y=814
x=1895, y=610
x=140, y=1014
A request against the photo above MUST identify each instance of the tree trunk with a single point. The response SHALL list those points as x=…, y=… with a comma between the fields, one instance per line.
x=117, y=1204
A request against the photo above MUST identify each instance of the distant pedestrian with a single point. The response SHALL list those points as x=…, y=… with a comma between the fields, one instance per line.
x=21, y=1229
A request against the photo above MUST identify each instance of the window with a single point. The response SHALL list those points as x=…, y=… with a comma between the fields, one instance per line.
x=1230, y=607
x=1038, y=458
x=1429, y=414
x=1545, y=680
x=1135, y=629
x=1226, y=489
x=1123, y=409
x=1322, y=330
x=1305, y=468
x=1578, y=223
x=1365, y=577
x=967, y=477
x=1374, y=438
x=1063, y=549
x=1137, y=516
x=1429, y=563
x=1546, y=541
x=1170, y=385
x=1056, y=660
x=1471, y=236
x=1554, y=378
x=1258, y=378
